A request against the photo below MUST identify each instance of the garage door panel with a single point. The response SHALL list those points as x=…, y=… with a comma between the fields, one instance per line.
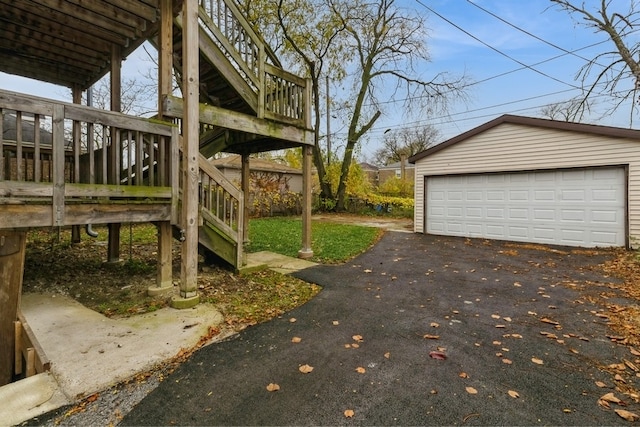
x=565, y=207
x=519, y=214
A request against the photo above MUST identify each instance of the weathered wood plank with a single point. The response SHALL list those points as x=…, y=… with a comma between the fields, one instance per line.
x=116, y=213
x=120, y=191
x=217, y=116
x=25, y=189
x=29, y=340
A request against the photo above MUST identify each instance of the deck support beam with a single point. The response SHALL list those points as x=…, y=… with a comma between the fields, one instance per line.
x=306, y=251
x=113, y=246
x=246, y=189
x=12, y=250
x=164, y=273
x=191, y=137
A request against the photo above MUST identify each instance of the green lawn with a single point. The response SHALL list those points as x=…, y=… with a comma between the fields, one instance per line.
x=331, y=242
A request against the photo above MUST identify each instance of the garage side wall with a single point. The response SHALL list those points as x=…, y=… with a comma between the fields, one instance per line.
x=513, y=148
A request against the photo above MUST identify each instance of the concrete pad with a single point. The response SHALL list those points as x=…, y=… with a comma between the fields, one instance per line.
x=30, y=398
x=280, y=263
x=90, y=352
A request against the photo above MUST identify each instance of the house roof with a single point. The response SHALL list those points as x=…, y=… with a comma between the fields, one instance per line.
x=70, y=42
x=255, y=164
x=611, y=132
x=368, y=166
x=395, y=165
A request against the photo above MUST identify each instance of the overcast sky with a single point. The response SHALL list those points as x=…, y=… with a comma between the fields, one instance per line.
x=464, y=39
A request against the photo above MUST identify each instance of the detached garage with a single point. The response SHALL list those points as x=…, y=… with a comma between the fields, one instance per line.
x=533, y=180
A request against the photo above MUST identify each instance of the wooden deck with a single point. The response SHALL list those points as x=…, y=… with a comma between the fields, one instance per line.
x=66, y=164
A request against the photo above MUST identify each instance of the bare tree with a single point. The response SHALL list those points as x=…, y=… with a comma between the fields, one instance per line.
x=607, y=71
x=405, y=142
x=383, y=47
x=572, y=110
x=388, y=46
x=311, y=40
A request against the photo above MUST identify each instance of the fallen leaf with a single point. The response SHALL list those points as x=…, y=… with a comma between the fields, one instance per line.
x=516, y=336
x=619, y=378
x=631, y=365
x=610, y=397
x=537, y=361
x=627, y=415
x=349, y=413
x=601, y=384
x=368, y=271
x=435, y=325
x=357, y=338
x=549, y=321
x=463, y=375
x=634, y=351
x=347, y=346
x=495, y=316
x=273, y=387
x=305, y=369
x=360, y=370
x=497, y=343
x=514, y=394
x=507, y=361
x=387, y=355
x=296, y=339
x=437, y=355
x=567, y=411
x=293, y=320
x=336, y=323
x=507, y=319
x=431, y=337
x=500, y=326
x=517, y=284
x=354, y=345
x=471, y=390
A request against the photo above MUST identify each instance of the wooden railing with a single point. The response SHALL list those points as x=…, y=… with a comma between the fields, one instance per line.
x=58, y=153
x=282, y=96
x=222, y=205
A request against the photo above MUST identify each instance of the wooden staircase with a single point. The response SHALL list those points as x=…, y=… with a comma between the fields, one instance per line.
x=249, y=104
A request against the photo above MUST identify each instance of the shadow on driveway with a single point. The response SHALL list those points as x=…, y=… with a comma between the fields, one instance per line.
x=522, y=345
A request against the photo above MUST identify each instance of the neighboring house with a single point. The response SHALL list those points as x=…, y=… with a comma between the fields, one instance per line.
x=533, y=180
x=289, y=178
x=397, y=170
x=275, y=188
x=371, y=171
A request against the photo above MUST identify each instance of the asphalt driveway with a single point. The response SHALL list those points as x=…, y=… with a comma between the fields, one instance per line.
x=419, y=330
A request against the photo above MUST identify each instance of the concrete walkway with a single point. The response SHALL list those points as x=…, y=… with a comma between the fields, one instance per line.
x=90, y=352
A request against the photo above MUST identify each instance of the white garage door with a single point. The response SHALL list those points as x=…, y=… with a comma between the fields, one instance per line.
x=583, y=207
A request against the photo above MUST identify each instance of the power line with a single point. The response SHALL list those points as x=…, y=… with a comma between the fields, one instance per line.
x=528, y=33
x=493, y=48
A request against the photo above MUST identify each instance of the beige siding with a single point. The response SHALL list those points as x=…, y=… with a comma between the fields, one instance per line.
x=513, y=147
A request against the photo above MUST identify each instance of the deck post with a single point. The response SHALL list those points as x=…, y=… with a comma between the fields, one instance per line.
x=191, y=123
x=306, y=252
x=12, y=250
x=164, y=274
x=113, y=248
x=76, y=94
x=307, y=152
x=246, y=189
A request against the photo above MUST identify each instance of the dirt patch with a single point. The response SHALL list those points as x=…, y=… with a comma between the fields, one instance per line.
x=387, y=223
x=53, y=265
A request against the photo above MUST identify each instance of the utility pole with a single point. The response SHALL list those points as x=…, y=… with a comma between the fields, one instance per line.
x=328, y=125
